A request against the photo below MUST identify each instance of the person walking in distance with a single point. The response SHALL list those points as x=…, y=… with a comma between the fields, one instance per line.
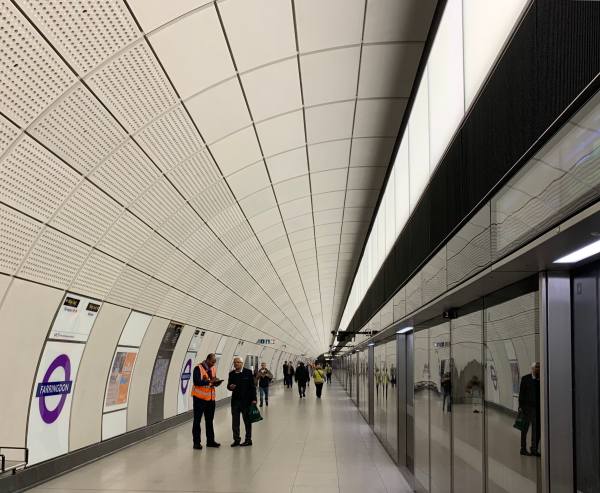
x=319, y=378
x=264, y=378
x=290, y=374
x=529, y=407
x=302, y=378
x=328, y=372
x=285, y=374
x=241, y=384
x=203, y=392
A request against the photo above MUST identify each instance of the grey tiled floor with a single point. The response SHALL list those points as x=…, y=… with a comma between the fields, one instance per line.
x=308, y=445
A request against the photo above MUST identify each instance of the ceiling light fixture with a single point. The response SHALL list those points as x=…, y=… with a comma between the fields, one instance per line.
x=404, y=330
x=582, y=253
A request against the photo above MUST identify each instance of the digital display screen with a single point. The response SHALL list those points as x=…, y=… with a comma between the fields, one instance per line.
x=72, y=302
x=93, y=307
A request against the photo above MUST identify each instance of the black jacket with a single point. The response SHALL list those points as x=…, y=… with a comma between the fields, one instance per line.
x=245, y=389
x=302, y=375
x=529, y=393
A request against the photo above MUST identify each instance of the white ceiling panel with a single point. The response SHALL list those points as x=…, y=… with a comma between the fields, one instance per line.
x=303, y=222
x=368, y=177
x=288, y=165
x=152, y=14
x=236, y=151
x=260, y=31
x=219, y=111
x=281, y=133
x=328, y=217
x=331, y=75
x=249, y=180
x=296, y=207
x=372, y=151
x=328, y=181
x=329, y=155
x=331, y=200
x=192, y=70
x=393, y=20
x=258, y=202
x=329, y=121
x=273, y=89
x=378, y=117
x=265, y=219
x=292, y=189
x=377, y=58
x=328, y=24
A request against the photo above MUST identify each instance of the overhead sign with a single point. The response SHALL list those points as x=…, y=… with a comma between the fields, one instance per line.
x=265, y=341
x=75, y=318
x=50, y=406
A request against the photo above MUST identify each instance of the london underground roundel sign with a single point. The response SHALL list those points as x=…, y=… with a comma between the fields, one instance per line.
x=186, y=375
x=49, y=387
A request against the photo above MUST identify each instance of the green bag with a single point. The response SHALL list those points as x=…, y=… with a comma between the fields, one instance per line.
x=521, y=423
x=254, y=414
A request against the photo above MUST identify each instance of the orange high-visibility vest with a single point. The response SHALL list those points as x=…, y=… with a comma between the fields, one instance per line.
x=204, y=392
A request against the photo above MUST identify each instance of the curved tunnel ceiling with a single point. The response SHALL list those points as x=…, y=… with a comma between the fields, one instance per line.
x=214, y=162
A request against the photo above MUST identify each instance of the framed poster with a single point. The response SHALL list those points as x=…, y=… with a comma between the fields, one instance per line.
x=75, y=318
x=119, y=378
x=50, y=406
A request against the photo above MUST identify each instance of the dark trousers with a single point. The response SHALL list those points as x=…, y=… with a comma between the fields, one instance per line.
x=301, y=388
x=447, y=397
x=329, y=378
x=532, y=419
x=319, y=388
x=238, y=408
x=208, y=409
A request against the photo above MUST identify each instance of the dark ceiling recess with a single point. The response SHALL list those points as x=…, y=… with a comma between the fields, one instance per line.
x=547, y=72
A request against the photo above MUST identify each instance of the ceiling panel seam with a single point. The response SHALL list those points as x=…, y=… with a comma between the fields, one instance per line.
x=312, y=208
x=346, y=288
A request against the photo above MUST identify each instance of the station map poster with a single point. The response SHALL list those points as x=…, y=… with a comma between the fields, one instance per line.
x=50, y=407
x=75, y=318
x=156, y=391
x=117, y=389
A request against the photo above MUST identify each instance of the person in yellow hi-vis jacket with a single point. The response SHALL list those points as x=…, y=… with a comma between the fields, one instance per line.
x=319, y=378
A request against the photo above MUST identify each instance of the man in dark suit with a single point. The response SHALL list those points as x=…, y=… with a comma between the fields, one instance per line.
x=529, y=407
x=241, y=384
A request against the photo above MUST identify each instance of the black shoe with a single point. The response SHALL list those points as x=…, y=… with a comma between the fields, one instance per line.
x=197, y=446
x=213, y=445
x=261, y=405
x=524, y=452
x=246, y=443
x=535, y=453
x=236, y=443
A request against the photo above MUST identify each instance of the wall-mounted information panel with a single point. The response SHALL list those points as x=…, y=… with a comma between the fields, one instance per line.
x=159, y=373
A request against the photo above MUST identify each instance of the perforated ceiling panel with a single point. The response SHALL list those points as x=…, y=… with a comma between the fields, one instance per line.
x=215, y=162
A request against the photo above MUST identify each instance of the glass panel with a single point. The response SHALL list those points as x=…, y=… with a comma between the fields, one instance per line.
x=511, y=345
x=465, y=371
x=392, y=398
x=422, y=382
x=440, y=420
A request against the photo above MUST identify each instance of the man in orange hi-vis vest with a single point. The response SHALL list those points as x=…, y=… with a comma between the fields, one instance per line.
x=203, y=391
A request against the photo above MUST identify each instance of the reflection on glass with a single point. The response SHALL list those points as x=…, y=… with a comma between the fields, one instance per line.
x=392, y=398
x=381, y=384
x=467, y=425
x=422, y=383
x=363, y=383
x=440, y=365
x=511, y=345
